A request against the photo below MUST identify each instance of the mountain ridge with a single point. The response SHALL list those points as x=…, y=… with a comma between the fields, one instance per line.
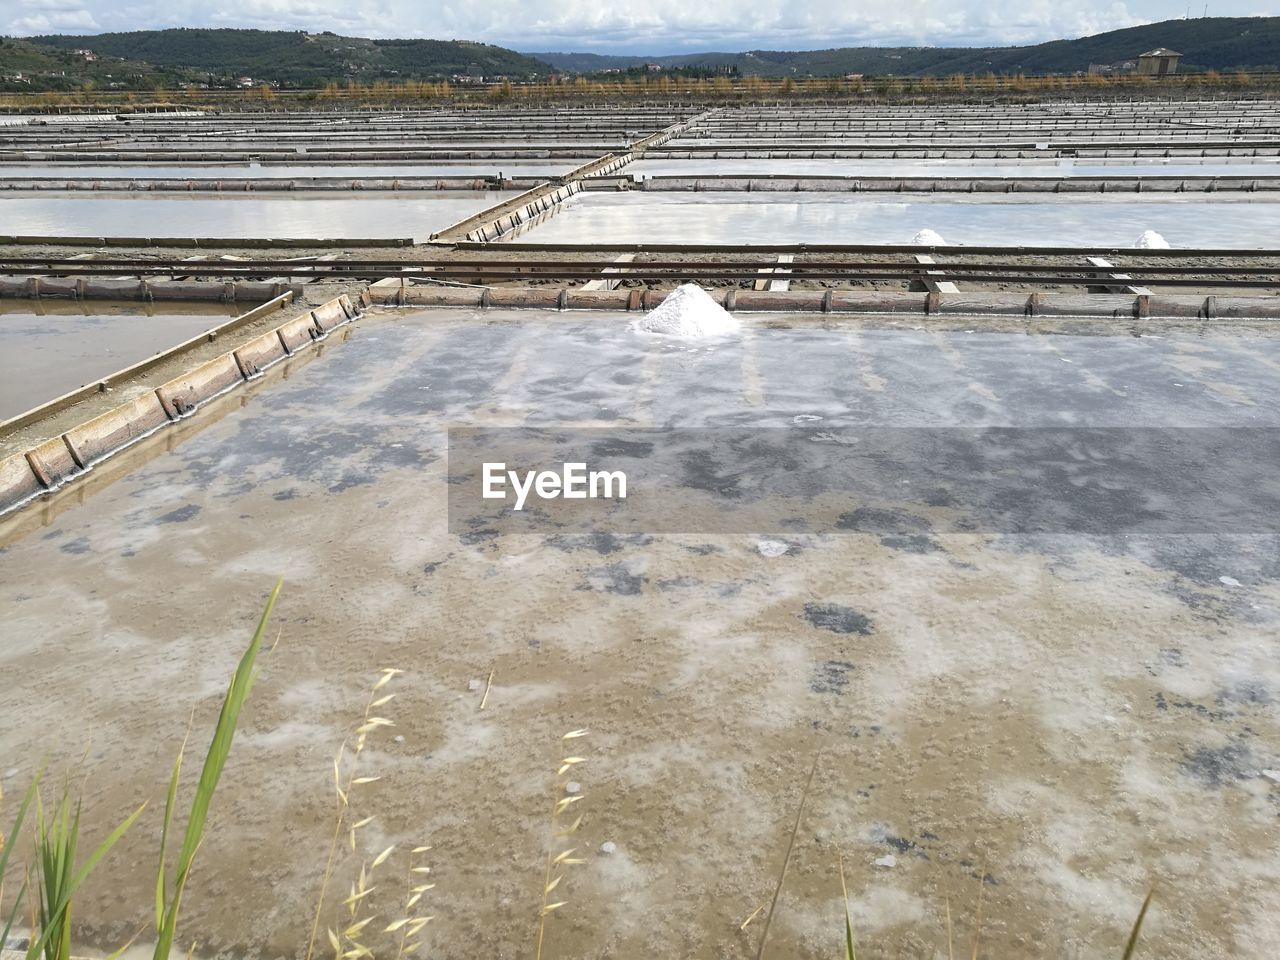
x=1206, y=43
x=224, y=57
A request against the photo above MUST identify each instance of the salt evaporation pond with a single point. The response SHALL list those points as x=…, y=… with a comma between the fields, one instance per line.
x=1012, y=169
x=354, y=215
x=1043, y=220
x=213, y=171
x=49, y=347
x=1085, y=716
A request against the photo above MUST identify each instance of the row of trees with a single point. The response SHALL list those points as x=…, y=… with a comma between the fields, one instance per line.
x=721, y=88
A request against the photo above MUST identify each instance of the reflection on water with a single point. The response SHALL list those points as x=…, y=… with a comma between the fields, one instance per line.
x=1044, y=220
x=416, y=215
x=470, y=168
x=48, y=348
x=849, y=167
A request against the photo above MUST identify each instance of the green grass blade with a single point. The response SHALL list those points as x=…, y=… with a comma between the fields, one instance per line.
x=17, y=821
x=1132, y=945
x=169, y=803
x=104, y=848
x=56, y=844
x=13, y=914
x=214, y=762
x=14, y=833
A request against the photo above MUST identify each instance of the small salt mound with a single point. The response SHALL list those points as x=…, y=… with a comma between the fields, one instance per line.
x=928, y=238
x=1150, y=240
x=772, y=548
x=688, y=311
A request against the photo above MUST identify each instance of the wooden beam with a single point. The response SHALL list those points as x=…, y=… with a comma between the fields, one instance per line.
x=1117, y=287
x=780, y=279
x=932, y=285
x=175, y=277
x=324, y=257
x=611, y=282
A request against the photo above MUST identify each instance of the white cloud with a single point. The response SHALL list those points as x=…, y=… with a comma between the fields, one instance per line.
x=52, y=16
x=655, y=26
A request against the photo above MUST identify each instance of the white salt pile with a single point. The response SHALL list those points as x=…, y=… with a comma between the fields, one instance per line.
x=688, y=311
x=1150, y=240
x=928, y=238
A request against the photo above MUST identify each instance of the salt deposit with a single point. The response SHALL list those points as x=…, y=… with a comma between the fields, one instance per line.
x=772, y=548
x=928, y=238
x=688, y=311
x=1150, y=240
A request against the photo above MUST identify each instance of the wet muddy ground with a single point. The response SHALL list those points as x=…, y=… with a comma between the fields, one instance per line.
x=1071, y=719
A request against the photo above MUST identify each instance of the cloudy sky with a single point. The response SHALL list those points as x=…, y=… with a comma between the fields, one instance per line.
x=632, y=26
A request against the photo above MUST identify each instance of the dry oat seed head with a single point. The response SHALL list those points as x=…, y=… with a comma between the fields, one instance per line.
x=359, y=896
x=572, y=828
x=351, y=931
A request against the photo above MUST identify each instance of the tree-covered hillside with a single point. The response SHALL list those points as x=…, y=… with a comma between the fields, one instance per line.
x=298, y=58
x=1211, y=43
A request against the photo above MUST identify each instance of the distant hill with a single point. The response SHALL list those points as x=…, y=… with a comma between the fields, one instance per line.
x=167, y=58
x=1209, y=43
x=25, y=66
x=297, y=58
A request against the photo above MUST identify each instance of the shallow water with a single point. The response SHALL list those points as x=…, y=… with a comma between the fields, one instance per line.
x=49, y=348
x=1083, y=716
x=818, y=218
x=304, y=216
x=1013, y=169
x=469, y=168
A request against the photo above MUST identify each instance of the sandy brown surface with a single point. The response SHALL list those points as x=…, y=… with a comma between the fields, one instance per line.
x=1072, y=719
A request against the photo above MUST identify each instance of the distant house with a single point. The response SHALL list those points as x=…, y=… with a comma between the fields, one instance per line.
x=653, y=67
x=1159, y=62
x=88, y=55
x=1112, y=69
x=244, y=83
